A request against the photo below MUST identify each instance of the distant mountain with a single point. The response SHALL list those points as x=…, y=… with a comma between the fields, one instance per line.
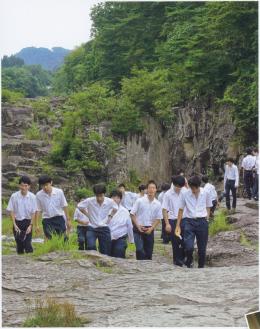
x=49, y=59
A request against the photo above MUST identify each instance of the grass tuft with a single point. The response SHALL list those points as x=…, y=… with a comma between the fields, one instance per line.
x=51, y=313
x=219, y=224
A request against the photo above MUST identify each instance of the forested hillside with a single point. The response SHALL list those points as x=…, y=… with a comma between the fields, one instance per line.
x=190, y=67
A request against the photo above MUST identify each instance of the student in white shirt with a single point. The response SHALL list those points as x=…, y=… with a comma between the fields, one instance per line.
x=23, y=207
x=231, y=181
x=146, y=215
x=164, y=188
x=256, y=174
x=52, y=204
x=170, y=208
x=99, y=210
x=213, y=194
x=121, y=227
x=83, y=222
x=197, y=202
x=129, y=198
x=248, y=164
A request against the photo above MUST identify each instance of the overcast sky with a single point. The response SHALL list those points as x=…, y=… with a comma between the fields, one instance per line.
x=44, y=23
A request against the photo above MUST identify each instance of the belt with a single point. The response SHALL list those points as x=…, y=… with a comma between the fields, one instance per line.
x=249, y=169
x=198, y=218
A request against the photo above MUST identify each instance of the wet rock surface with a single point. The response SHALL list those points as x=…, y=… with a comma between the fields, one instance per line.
x=117, y=292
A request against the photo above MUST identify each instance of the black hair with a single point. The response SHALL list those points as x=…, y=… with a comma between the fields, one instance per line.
x=178, y=181
x=179, y=171
x=25, y=180
x=121, y=185
x=194, y=181
x=165, y=186
x=230, y=160
x=151, y=181
x=99, y=189
x=255, y=149
x=248, y=150
x=44, y=179
x=205, y=179
x=142, y=187
x=116, y=193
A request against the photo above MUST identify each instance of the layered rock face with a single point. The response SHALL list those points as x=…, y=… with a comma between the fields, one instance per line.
x=200, y=139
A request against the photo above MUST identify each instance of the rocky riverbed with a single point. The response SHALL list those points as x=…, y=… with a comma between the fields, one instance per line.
x=116, y=292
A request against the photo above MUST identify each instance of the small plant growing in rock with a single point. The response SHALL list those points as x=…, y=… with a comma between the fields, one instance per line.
x=50, y=313
x=219, y=224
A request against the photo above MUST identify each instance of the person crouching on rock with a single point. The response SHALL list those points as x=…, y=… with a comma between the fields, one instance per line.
x=121, y=227
x=198, y=203
x=23, y=207
x=146, y=215
x=83, y=222
x=100, y=211
x=52, y=205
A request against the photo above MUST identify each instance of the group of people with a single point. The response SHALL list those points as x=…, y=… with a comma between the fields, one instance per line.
x=184, y=209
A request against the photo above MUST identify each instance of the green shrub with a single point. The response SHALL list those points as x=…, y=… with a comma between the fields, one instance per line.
x=83, y=192
x=9, y=96
x=33, y=133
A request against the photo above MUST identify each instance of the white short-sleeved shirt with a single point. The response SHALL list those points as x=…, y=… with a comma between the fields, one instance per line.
x=147, y=211
x=23, y=206
x=257, y=164
x=231, y=173
x=79, y=215
x=196, y=207
x=211, y=190
x=161, y=196
x=98, y=214
x=128, y=199
x=121, y=225
x=171, y=202
x=51, y=204
x=248, y=162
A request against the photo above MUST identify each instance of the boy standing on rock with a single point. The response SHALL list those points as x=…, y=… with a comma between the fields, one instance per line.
x=100, y=211
x=121, y=227
x=170, y=206
x=197, y=202
x=146, y=215
x=52, y=204
x=248, y=163
x=23, y=207
x=231, y=181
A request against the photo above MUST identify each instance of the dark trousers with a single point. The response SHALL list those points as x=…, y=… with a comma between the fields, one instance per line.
x=178, y=247
x=118, y=247
x=165, y=236
x=23, y=241
x=82, y=237
x=54, y=225
x=196, y=228
x=255, y=187
x=248, y=181
x=213, y=208
x=143, y=244
x=230, y=186
x=104, y=239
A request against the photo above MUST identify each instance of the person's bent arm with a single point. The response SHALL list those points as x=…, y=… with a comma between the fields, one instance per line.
x=135, y=224
x=178, y=224
x=166, y=219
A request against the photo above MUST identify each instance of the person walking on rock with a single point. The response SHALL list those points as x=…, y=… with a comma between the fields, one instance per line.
x=170, y=206
x=22, y=207
x=146, y=215
x=100, y=211
x=52, y=205
x=231, y=181
x=197, y=202
x=248, y=164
